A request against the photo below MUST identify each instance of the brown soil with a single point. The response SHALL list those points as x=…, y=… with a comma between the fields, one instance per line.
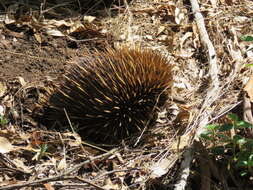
x=27, y=51
x=25, y=57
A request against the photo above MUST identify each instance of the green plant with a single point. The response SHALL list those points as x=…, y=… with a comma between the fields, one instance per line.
x=228, y=142
x=248, y=39
x=3, y=120
x=42, y=152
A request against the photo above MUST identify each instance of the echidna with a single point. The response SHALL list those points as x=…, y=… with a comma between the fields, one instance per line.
x=112, y=94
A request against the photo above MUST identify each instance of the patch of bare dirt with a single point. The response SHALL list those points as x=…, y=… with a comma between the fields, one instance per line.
x=25, y=57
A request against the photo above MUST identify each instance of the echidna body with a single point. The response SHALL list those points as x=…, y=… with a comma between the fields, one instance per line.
x=112, y=94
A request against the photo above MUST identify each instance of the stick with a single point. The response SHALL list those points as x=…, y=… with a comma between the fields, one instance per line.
x=213, y=94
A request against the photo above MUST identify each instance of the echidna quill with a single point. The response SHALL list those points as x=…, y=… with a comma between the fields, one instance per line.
x=111, y=95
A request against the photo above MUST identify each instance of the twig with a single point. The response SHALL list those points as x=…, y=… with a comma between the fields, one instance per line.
x=185, y=169
x=70, y=124
x=214, y=90
x=59, y=177
x=213, y=94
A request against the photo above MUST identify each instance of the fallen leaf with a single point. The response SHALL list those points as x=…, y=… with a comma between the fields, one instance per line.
x=5, y=145
x=249, y=88
x=38, y=37
x=1, y=110
x=48, y=186
x=88, y=19
x=160, y=30
x=109, y=185
x=54, y=32
x=62, y=164
x=229, y=2
x=20, y=164
x=179, y=16
x=162, y=167
x=3, y=88
x=21, y=81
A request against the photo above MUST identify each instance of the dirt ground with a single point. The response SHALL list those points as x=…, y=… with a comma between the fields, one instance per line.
x=23, y=56
x=28, y=52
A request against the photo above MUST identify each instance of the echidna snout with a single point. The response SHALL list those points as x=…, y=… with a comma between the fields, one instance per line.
x=111, y=95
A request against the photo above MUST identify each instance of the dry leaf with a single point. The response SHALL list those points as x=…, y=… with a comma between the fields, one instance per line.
x=160, y=30
x=21, y=81
x=249, y=88
x=36, y=139
x=1, y=110
x=20, y=164
x=162, y=167
x=76, y=27
x=214, y=3
x=77, y=139
x=109, y=185
x=179, y=16
x=5, y=145
x=62, y=165
x=54, y=32
x=38, y=37
x=186, y=36
x=48, y=186
x=229, y=2
x=88, y=19
x=3, y=88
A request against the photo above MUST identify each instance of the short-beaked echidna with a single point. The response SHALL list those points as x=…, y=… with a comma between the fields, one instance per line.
x=112, y=94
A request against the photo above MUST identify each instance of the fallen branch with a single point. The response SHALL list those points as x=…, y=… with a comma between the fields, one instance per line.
x=211, y=96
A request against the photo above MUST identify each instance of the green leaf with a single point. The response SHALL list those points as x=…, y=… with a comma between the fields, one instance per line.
x=244, y=159
x=212, y=127
x=249, y=65
x=3, y=121
x=241, y=142
x=218, y=150
x=229, y=146
x=243, y=124
x=247, y=38
x=233, y=117
x=225, y=127
x=207, y=135
x=242, y=163
x=250, y=160
x=249, y=144
x=243, y=173
x=224, y=138
x=237, y=138
x=43, y=148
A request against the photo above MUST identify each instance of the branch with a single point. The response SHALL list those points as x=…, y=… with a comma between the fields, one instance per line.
x=211, y=96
